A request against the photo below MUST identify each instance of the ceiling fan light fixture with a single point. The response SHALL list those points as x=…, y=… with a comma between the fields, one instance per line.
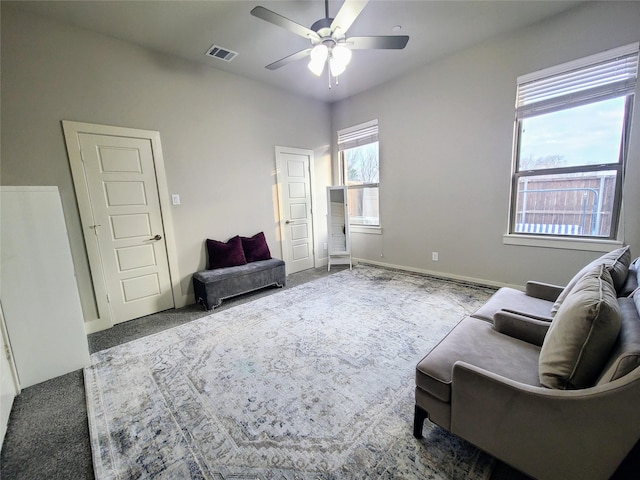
x=316, y=67
x=337, y=68
x=319, y=53
x=319, y=56
x=338, y=59
x=341, y=54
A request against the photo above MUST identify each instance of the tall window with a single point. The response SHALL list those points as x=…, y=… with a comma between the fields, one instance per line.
x=571, y=145
x=360, y=171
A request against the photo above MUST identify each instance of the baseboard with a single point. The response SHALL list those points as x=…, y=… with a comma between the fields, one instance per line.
x=96, y=325
x=184, y=300
x=432, y=273
x=322, y=262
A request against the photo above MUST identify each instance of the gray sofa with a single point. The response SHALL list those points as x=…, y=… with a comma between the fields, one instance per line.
x=545, y=380
x=213, y=286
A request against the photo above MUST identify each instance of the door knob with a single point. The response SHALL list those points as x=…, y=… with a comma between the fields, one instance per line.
x=157, y=237
x=288, y=222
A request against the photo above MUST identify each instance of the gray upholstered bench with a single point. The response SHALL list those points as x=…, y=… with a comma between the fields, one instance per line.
x=213, y=286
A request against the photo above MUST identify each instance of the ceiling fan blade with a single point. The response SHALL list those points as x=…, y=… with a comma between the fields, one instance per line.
x=291, y=58
x=392, y=42
x=280, y=21
x=346, y=15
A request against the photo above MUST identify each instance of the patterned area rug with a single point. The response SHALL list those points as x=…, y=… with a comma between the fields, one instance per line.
x=314, y=382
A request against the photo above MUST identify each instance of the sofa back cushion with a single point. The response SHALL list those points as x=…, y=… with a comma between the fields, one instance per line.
x=633, y=279
x=618, y=262
x=582, y=333
x=625, y=355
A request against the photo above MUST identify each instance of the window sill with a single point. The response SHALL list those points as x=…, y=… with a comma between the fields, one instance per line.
x=365, y=229
x=561, y=243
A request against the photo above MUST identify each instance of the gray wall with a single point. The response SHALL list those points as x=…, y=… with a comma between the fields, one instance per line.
x=446, y=138
x=218, y=132
x=446, y=134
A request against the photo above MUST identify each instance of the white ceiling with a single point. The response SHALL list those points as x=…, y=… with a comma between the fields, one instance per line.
x=188, y=28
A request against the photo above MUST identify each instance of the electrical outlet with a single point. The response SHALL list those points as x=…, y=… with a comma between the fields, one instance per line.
x=434, y=256
x=325, y=245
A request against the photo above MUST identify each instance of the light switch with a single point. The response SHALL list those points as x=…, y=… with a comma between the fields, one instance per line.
x=175, y=199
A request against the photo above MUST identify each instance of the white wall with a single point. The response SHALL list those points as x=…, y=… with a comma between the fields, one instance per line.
x=446, y=135
x=218, y=132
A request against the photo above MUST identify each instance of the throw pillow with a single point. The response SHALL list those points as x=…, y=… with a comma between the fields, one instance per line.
x=618, y=263
x=582, y=333
x=225, y=254
x=255, y=248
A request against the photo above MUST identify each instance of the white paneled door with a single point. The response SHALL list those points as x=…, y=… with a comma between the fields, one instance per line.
x=127, y=223
x=294, y=182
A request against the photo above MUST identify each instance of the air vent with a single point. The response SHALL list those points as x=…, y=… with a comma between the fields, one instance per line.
x=222, y=53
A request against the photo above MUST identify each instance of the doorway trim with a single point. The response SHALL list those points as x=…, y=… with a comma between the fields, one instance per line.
x=279, y=185
x=72, y=130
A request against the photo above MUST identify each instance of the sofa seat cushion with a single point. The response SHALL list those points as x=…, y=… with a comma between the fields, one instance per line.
x=515, y=301
x=210, y=287
x=474, y=341
x=220, y=274
x=582, y=333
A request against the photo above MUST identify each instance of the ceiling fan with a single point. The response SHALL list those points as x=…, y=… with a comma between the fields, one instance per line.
x=329, y=43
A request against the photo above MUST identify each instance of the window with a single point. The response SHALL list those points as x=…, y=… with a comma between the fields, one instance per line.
x=360, y=172
x=571, y=144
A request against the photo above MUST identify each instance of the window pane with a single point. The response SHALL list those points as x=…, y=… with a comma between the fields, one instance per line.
x=363, y=206
x=578, y=204
x=585, y=135
x=362, y=164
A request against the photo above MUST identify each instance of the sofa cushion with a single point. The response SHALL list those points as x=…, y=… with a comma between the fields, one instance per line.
x=225, y=254
x=625, y=355
x=633, y=279
x=582, y=333
x=475, y=341
x=255, y=248
x=516, y=301
x=618, y=262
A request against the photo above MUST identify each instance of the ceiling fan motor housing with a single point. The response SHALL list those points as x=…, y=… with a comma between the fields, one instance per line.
x=323, y=27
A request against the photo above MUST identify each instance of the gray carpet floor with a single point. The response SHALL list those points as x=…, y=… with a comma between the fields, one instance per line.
x=48, y=434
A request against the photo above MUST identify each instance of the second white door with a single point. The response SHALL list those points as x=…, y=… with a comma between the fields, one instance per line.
x=294, y=181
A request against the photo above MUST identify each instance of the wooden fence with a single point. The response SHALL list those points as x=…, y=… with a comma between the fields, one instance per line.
x=566, y=205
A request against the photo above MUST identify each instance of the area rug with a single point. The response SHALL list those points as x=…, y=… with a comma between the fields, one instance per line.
x=313, y=382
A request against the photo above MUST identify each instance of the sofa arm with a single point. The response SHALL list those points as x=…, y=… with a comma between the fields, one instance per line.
x=544, y=291
x=548, y=434
x=523, y=327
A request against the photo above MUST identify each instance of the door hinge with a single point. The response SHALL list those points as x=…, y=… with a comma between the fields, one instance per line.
x=7, y=352
x=108, y=299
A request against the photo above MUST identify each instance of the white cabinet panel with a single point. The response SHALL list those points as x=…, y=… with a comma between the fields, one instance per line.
x=38, y=286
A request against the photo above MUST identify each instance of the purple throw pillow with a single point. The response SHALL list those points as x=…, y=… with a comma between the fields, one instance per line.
x=225, y=254
x=255, y=248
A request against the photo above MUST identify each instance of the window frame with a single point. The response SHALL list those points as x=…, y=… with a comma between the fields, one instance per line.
x=565, y=102
x=353, y=137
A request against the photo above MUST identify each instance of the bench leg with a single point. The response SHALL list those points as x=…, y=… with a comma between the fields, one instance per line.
x=419, y=416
